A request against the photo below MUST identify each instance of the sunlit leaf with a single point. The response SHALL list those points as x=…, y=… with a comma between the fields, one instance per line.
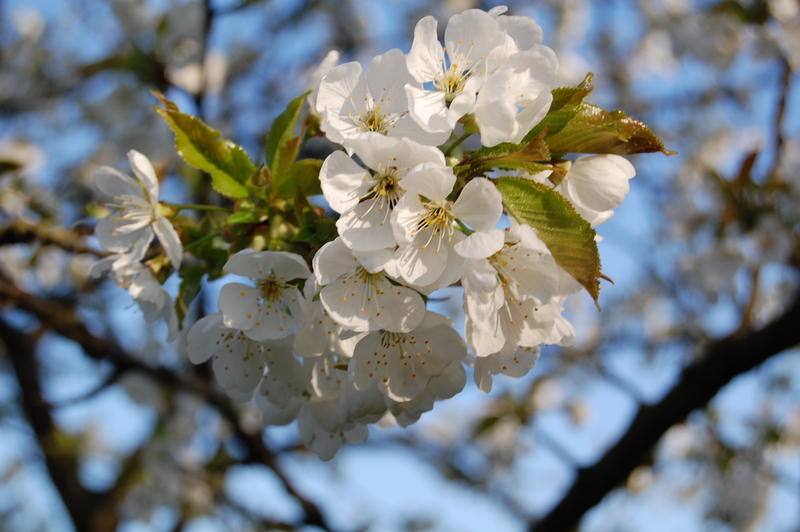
x=569, y=237
x=587, y=128
x=204, y=148
x=530, y=156
x=282, y=129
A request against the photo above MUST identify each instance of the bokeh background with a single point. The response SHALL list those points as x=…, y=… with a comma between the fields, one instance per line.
x=105, y=427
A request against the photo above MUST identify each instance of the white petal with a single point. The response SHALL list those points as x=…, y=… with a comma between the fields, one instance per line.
x=429, y=180
x=600, y=182
x=470, y=36
x=367, y=226
x=428, y=109
x=113, y=183
x=497, y=122
x=239, y=305
x=203, y=339
x=481, y=244
x=111, y=239
x=170, y=240
x=386, y=78
x=400, y=309
x=449, y=382
x=143, y=169
x=523, y=30
x=346, y=309
x=426, y=57
x=261, y=264
x=240, y=370
x=421, y=266
x=479, y=204
x=343, y=182
x=480, y=276
x=377, y=260
x=332, y=261
x=337, y=86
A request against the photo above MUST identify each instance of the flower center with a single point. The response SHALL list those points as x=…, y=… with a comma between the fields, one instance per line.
x=270, y=289
x=386, y=187
x=373, y=120
x=451, y=83
x=437, y=220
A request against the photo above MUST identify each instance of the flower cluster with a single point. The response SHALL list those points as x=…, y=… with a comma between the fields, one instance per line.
x=350, y=341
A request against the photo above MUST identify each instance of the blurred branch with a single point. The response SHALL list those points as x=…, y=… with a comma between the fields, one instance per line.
x=21, y=232
x=61, y=461
x=780, y=115
x=64, y=321
x=699, y=382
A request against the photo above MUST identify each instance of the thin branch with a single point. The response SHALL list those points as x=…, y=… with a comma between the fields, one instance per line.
x=698, y=384
x=21, y=232
x=62, y=465
x=64, y=321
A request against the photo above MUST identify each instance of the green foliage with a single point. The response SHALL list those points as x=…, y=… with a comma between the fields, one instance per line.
x=303, y=179
x=587, y=128
x=530, y=156
x=203, y=148
x=569, y=237
x=574, y=126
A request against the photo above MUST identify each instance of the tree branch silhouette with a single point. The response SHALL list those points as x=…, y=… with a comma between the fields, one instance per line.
x=720, y=362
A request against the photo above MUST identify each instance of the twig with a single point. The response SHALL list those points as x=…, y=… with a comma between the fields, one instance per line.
x=698, y=384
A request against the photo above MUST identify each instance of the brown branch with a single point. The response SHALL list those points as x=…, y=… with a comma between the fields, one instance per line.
x=699, y=382
x=21, y=232
x=60, y=461
x=64, y=321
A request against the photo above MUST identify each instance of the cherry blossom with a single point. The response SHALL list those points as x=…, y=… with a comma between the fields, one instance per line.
x=352, y=101
x=366, y=196
x=135, y=215
x=271, y=309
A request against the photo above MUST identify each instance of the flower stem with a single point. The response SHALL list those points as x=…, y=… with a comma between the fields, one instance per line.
x=456, y=143
x=184, y=206
x=201, y=240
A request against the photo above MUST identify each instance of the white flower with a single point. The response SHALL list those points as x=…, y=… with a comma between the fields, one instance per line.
x=366, y=197
x=154, y=302
x=517, y=96
x=238, y=362
x=449, y=382
x=352, y=101
x=402, y=364
x=324, y=429
x=510, y=280
x=359, y=297
x=135, y=213
x=424, y=222
x=596, y=184
x=320, y=334
x=511, y=362
x=328, y=62
x=271, y=309
x=470, y=37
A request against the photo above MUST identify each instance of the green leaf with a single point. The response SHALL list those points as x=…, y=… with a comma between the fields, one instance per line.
x=587, y=128
x=302, y=178
x=244, y=217
x=529, y=156
x=569, y=237
x=203, y=148
x=574, y=126
x=283, y=129
x=572, y=95
x=191, y=281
